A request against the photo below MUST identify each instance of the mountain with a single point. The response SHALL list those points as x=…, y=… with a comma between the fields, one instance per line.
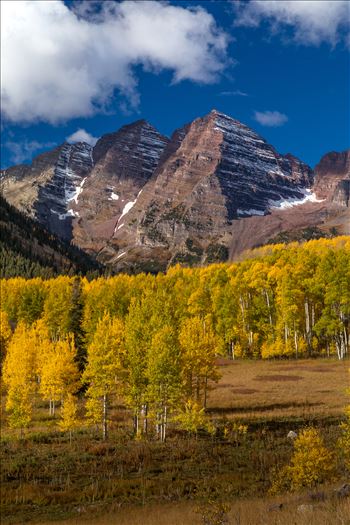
x=214, y=172
x=141, y=201
x=29, y=250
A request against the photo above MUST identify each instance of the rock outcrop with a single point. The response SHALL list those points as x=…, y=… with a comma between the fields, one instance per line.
x=332, y=178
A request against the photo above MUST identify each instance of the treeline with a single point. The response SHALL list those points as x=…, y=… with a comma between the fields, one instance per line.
x=153, y=340
x=28, y=250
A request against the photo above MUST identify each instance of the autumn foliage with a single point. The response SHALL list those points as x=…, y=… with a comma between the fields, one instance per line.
x=153, y=340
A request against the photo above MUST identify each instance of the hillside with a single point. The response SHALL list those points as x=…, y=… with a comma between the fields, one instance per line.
x=28, y=250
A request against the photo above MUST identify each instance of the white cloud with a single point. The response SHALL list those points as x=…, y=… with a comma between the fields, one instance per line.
x=270, y=118
x=81, y=135
x=59, y=63
x=22, y=151
x=312, y=21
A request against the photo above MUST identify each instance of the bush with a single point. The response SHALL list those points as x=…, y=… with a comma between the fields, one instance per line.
x=311, y=463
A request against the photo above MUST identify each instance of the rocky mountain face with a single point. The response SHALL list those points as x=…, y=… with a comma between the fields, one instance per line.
x=213, y=172
x=123, y=162
x=332, y=178
x=139, y=201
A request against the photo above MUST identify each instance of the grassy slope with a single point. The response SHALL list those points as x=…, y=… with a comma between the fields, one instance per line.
x=332, y=511
x=280, y=389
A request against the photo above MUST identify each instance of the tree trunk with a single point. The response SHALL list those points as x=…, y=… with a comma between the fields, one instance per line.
x=296, y=342
x=104, y=422
x=232, y=350
x=268, y=306
x=145, y=418
x=165, y=421
x=158, y=427
x=136, y=423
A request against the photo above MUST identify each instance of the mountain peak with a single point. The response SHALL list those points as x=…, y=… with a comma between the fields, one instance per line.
x=138, y=198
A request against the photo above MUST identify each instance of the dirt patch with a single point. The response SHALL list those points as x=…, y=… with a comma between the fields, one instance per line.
x=329, y=368
x=244, y=390
x=277, y=377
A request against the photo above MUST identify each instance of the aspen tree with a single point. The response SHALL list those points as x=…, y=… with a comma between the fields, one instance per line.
x=104, y=366
x=59, y=373
x=163, y=373
x=198, y=344
x=137, y=341
x=19, y=375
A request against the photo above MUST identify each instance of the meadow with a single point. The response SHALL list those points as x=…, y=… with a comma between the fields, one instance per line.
x=123, y=480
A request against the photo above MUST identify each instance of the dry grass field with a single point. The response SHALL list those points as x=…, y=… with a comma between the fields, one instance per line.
x=295, y=510
x=129, y=482
x=267, y=390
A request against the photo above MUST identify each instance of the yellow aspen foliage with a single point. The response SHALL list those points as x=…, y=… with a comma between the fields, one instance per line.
x=199, y=344
x=344, y=441
x=94, y=410
x=192, y=418
x=311, y=463
x=104, y=364
x=69, y=420
x=5, y=334
x=19, y=375
x=59, y=373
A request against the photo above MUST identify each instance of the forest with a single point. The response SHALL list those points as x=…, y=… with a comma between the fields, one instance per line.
x=29, y=250
x=153, y=341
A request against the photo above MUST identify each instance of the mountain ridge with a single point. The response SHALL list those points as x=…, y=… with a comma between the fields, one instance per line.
x=139, y=200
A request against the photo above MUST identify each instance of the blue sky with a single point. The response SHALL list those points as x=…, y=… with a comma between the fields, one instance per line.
x=82, y=69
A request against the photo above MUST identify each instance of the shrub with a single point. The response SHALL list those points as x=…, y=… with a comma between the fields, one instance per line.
x=310, y=464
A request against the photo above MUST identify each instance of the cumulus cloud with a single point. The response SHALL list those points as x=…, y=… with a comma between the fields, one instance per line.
x=81, y=135
x=59, y=63
x=22, y=151
x=311, y=21
x=270, y=118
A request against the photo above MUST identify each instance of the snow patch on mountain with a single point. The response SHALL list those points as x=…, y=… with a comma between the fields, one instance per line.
x=250, y=212
x=128, y=206
x=282, y=204
x=113, y=196
x=74, y=194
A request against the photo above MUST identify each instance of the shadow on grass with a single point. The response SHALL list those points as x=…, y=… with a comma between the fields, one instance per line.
x=261, y=408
